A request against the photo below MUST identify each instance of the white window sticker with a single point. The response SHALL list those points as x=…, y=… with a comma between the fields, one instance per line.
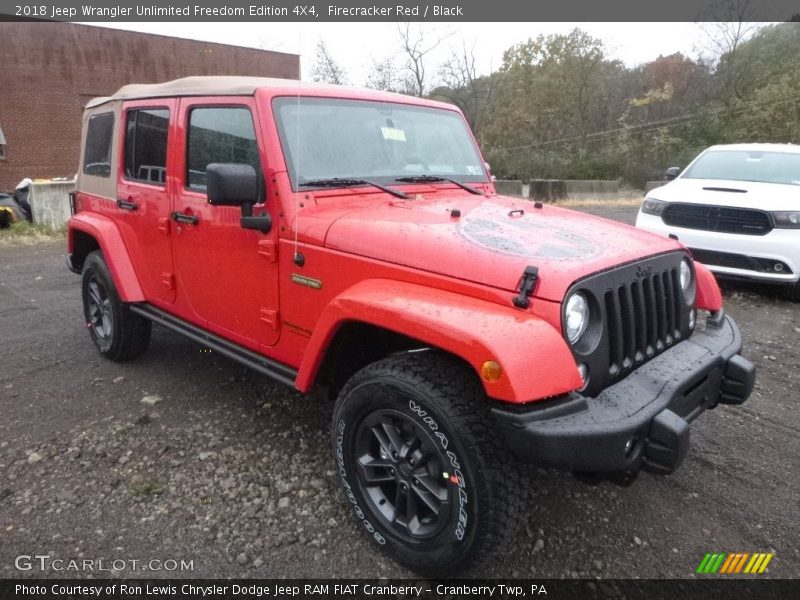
x=391, y=133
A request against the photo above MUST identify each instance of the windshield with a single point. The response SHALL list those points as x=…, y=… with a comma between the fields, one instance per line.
x=325, y=138
x=747, y=165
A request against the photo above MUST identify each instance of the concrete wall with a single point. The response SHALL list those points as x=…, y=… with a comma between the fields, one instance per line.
x=554, y=190
x=508, y=187
x=651, y=185
x=48, y=71
x=50, y=202
x=579, y=189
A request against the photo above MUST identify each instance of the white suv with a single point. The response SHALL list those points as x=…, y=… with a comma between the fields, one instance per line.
x=737, y=208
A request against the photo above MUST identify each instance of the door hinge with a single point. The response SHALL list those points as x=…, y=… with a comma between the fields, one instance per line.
x=168, y=279
x=270, y=317
x=163, y=225
x=267, y=249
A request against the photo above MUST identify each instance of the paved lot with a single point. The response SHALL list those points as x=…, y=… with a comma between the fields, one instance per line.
x=233, y=472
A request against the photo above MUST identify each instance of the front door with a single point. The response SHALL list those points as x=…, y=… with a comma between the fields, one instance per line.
x=227, y=277
x=143, y=195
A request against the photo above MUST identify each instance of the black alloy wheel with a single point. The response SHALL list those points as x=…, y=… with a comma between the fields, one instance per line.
x=403, y=472
x=101, y=316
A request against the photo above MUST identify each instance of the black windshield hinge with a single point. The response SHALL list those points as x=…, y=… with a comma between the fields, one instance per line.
x=527, y=284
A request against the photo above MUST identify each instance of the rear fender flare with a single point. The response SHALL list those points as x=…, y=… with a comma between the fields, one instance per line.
x=535, y=360
x=108, y=237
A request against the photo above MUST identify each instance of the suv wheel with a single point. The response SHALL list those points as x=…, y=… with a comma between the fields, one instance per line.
x=421, y=466
x=115, y=330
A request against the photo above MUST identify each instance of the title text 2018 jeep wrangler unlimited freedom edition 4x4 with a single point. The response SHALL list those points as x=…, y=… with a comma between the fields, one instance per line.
x=320, y=234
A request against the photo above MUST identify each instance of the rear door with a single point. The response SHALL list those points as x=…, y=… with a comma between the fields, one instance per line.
x=143, y=203
x=227, y=277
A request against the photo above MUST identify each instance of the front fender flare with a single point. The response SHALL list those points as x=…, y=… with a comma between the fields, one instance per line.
x=108, y=237
x=536, y=362
x=709, y=296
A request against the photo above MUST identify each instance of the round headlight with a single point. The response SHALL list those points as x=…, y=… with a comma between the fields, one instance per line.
x=687, y=284
x=576, y=317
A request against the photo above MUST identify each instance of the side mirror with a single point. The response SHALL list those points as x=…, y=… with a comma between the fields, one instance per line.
x=231, y=184
x=672, y=173
x=234, y=184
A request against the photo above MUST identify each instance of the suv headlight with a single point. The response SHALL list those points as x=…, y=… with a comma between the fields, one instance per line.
x=651, y=206
x=786, y=219
x=687, y=281
x=576, y=317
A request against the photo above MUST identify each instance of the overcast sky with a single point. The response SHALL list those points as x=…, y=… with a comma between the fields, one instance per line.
x=354, y=45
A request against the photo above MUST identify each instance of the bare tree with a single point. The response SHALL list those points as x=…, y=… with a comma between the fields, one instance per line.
x=326, y=69
x=384, y=75
x=464, y=87
x=416, y=48
x=730, y=24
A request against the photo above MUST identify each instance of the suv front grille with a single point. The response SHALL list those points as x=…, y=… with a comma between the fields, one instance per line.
x=724, y=219
x=639, y=310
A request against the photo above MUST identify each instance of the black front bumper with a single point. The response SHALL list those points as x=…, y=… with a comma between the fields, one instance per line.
x=641, y=422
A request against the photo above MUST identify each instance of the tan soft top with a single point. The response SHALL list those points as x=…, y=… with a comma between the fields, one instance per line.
x=203, y=86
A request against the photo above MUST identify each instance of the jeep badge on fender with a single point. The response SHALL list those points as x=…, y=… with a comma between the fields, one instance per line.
x=353, y=239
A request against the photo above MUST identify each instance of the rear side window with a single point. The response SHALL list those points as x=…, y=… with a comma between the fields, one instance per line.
x=216, y=134
x=146, y=145
x=97, y=154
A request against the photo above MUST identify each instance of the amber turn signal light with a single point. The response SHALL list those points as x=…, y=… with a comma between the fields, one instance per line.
x=491, y=371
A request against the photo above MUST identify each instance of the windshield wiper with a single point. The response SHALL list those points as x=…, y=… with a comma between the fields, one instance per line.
x=434, y=179
x=352, y=181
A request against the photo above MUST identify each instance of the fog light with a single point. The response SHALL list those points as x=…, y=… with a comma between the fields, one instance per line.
x=491, y=371
x=778, y=267
x=692, y=318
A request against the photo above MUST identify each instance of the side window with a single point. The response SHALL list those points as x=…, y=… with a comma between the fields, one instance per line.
x=146, y=145
x=224, y=135
x=97, y=154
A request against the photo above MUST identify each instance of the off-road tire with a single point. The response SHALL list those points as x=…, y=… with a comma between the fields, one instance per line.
x=117, y=333
x=438, y=395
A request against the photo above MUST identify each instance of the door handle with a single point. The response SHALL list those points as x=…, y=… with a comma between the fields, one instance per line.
x=184, y=218
x=127, y=204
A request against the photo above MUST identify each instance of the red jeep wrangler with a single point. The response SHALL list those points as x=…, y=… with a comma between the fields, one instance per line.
x=354, y=239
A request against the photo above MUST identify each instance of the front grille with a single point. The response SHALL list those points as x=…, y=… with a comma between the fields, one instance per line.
x=640, y=312
x=724, y=219
x=643, y=319
x=740, y=261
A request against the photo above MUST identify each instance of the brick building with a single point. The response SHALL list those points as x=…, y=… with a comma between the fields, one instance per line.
x=48, y=71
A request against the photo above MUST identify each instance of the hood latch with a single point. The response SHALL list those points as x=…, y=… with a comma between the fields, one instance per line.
x=527, y=284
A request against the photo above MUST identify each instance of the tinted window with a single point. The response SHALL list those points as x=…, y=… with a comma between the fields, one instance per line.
x=747, y=165
x=97, y=154
x=224, y=135
x=146, y=145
